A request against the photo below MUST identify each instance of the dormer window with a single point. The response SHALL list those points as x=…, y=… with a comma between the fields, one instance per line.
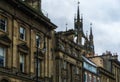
x=22, y=33
x=3, y=24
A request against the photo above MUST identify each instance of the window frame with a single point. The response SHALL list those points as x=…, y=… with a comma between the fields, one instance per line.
x=77, y=70
x=64, y=64
x=98, y=79
x=94, y=79
x=5, y=23
x=23, y=62
x=90, y=77
x=4, y=57
x=39, y=67
x=64, y=79
x=85, y=77
x=39, y=41
x=24, y=33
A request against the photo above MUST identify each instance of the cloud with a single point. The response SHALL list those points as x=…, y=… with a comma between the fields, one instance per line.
x=104, y=14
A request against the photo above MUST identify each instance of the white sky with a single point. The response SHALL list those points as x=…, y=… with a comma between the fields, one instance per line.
x=104, y=14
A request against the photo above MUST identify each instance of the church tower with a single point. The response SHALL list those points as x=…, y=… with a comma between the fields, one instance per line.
x=91, y=44
x=34, y=3
x=78, y=26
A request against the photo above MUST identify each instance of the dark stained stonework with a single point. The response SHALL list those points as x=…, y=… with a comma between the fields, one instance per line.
x=66, y=56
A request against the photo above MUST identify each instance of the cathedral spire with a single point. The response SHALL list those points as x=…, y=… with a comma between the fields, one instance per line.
x=91, y=41
x=91, y=34
x=78, y=13
x=79, y=26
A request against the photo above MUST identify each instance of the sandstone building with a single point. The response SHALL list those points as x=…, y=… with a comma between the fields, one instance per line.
x=70, y=46
x=108, y=66
x=22, y=24
x=30, y=47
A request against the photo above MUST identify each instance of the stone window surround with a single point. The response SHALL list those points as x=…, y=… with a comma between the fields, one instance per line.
x=2, y=17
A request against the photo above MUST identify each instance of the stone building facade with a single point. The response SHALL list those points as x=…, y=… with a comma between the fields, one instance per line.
x=90, y=71
x=116, y=70
x=70, y=46
x=67, y=60
x=21, y=26
x=108, y=65
x=105, y=76
x=29, y=45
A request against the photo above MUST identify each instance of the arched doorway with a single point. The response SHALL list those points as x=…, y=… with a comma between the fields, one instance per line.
x=4, y=80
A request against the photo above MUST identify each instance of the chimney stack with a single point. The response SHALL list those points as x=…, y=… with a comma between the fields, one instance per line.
x=36, y=4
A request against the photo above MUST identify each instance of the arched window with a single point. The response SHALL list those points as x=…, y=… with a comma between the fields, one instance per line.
x=4, y=80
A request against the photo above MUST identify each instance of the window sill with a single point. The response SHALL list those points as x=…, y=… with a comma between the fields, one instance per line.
x=23, y=40
x=5, y=32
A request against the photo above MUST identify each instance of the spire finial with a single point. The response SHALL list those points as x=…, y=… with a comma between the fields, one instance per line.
x=91, y=25
x=87, y=34
x=78, y=2
x=91, y=34
x=91, y=28
x=78, y=13
x=66, y=26
x=81, y=17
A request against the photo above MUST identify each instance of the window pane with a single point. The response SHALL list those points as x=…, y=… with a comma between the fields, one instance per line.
x=85, y=77
x=1, y=61
x=39, y=67
x=65, y=64
x=65, y=80
x=77, y=70
x=1, y=51
x=3, y=24
x=22, y=33
x=37, y=37
x=94, y=79
x=38, y=40
x=2, y=56
x=22, y=62
x=98, y=80
x=90, y=78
